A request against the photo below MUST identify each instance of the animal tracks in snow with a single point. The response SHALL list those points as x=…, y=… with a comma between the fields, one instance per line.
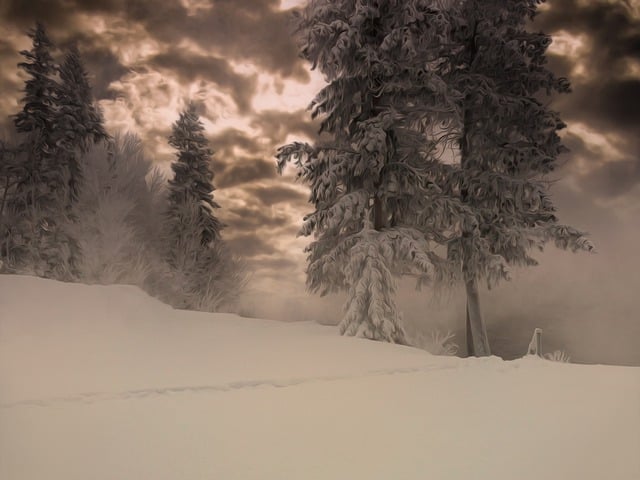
x=144, y=393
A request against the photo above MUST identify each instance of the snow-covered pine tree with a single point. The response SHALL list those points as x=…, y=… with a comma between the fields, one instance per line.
x=11, y=172
x=374, y=180
x=38, y=110
x=209, y=275
x=37, y=119
x=79, y=122
x=507, y=143
x=39, y=241
x=370, y=311
x=191, y=189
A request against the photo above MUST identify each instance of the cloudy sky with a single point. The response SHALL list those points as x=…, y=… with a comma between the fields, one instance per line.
x=147, y=57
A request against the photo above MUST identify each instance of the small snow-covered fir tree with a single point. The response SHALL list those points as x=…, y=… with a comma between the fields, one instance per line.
x=507, y=142
x=374, y=180
x=370, y=311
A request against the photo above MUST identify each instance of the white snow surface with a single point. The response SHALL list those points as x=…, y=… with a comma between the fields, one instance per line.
x=106, y=383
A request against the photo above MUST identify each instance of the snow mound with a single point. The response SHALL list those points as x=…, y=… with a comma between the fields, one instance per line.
x=107, y=383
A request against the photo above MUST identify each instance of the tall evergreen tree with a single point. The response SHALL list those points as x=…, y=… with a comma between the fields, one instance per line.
x=191, y=190
x=38, y=102
x=37, y=118
x=79, y=122
x=11, y=173
x=209, y=275
x=374, y=182
x=507, y=143
x=37, y=239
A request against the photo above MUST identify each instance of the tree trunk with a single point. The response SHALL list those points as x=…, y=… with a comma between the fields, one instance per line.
x=4, y=199
x=379, y=214
x=477, y=339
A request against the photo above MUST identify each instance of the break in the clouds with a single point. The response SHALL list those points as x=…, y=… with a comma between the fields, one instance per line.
x=237, y=59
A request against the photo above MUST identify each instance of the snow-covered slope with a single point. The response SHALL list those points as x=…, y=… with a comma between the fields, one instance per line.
x=107, y=383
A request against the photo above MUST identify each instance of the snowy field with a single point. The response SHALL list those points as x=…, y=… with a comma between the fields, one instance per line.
x=105, y=383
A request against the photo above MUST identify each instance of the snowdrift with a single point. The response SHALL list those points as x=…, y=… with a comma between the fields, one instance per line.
x=107, y=383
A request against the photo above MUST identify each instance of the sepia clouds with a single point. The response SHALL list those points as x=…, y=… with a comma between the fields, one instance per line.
x=597, y=46
x=237, y=60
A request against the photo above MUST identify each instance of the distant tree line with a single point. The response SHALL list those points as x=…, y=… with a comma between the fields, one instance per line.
x=79, y=204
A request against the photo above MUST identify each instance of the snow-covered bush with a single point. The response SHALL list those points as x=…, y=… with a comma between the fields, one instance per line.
x=558, y=356
x=116, y=214
x=200, y=278
x=436, y=342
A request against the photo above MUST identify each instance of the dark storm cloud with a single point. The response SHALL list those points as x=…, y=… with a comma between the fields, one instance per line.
x=274, y=194
x=225, y=141
x=104, y=68
x=606, y=178
x=277, y=124
x=560, y=65
x=253, y=230
x=6, y=48
x=613, y=179
x=605, y=91
x=577, y=146
x=605, y=103
x=604, y=96
x=190, y=67
x=55, y=12
x=611, y=26
x=254, y=30
x=22, y=14
x=101, y=62
x=61, y=13
x=618, y=102
x=273, y=127
x=242, y=171
x=245, y=170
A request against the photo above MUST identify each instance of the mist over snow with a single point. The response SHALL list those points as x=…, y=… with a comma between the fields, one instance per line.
x=106, y=382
